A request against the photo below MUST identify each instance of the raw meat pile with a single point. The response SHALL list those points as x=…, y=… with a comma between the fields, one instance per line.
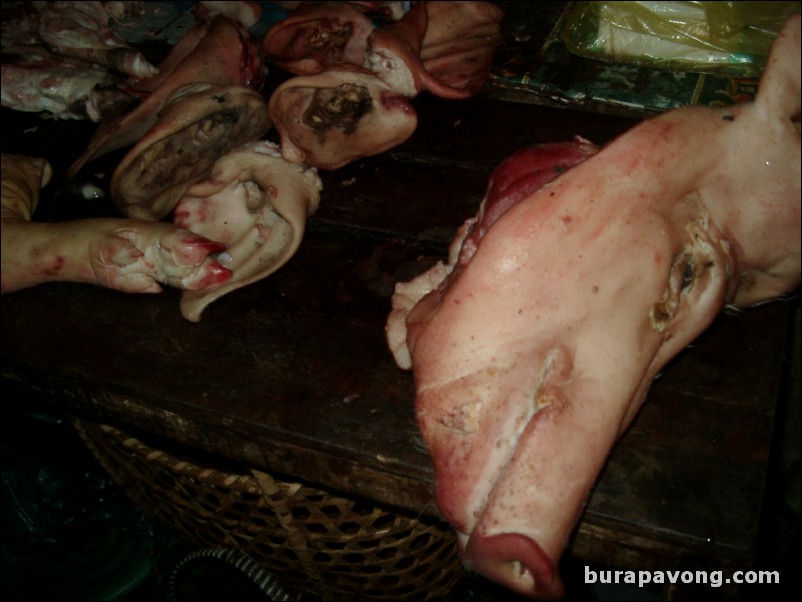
x=352, y=94
x=193, y=125
x=63, y=58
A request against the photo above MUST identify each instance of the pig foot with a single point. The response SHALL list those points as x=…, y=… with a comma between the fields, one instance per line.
x=120, y=254
x=140, y=257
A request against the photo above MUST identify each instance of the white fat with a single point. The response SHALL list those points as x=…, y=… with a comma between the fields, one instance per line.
x=142, y=68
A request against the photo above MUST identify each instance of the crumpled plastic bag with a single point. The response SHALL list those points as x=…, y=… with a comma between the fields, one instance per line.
x=722, y=38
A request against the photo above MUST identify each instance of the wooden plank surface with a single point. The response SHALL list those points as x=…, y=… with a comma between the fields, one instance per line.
x=292, y=374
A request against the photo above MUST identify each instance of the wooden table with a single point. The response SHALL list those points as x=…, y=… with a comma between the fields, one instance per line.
x=292, y=374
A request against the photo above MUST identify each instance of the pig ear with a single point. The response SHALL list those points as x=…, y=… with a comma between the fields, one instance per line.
x=264, y=212
x=458, y=47
x=779, y=91
x=296, y=43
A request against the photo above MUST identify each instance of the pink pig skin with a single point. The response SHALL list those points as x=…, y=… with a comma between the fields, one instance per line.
x=446, y=48
x=531, y=359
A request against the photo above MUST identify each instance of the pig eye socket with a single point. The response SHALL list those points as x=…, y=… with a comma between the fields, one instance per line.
x=692, y=271
x=685, y=271
x=688, y=274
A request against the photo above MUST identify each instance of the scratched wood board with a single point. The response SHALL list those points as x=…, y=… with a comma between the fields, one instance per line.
x=292, y=374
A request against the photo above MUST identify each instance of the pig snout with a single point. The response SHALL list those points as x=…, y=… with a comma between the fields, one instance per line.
x=488, y=431
x=515, y=561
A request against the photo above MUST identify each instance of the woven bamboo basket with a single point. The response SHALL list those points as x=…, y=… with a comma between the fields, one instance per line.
x=313, y=540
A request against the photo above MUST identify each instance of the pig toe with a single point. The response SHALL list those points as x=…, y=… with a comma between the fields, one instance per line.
x=193, y=250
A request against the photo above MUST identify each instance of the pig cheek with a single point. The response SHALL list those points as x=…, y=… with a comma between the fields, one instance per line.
x=451, y=463
x=449, y=428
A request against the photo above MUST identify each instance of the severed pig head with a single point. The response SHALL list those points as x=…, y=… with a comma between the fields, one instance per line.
x=446, y=48
x=198, y=124
x=332, y=118
x=220, y=52
x=534, y=348
x=351, y=98
x=317, y=35
x=256, y=204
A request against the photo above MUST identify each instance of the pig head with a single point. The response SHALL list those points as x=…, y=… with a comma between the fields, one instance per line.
x=535, y=346
x=220, y=52
x=332, y=118
x=446, y=48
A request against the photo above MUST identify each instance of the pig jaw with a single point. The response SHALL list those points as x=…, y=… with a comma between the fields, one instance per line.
x=513, y=481
x=485, y=467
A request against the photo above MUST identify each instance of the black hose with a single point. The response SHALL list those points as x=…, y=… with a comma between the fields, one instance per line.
x=264, y=579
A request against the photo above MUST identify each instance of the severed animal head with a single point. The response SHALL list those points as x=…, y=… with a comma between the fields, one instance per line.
x=198, y=124
x=330, y=119
x=446, y=48
x=535, y=346
x=318, y=35
x=220, y=52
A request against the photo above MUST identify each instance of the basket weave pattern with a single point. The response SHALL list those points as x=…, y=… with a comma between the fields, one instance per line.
x=315, y=541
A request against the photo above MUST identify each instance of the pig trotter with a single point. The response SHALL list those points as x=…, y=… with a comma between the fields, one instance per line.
x=159, y=253
x=126, y=255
